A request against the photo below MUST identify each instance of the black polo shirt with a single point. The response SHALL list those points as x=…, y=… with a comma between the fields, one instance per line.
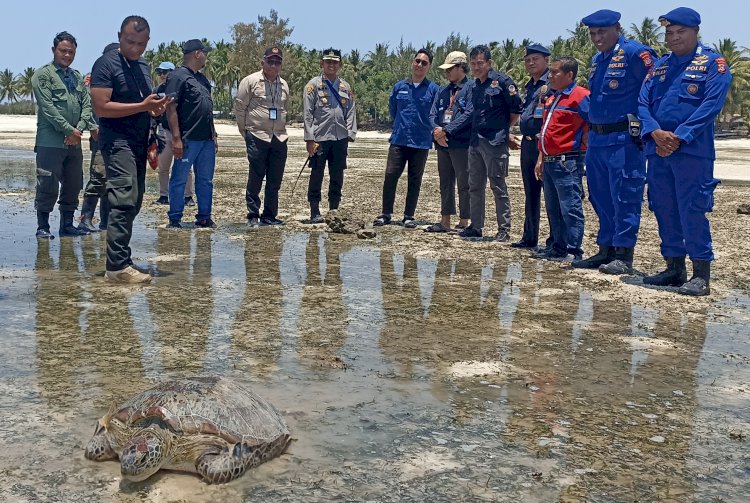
x=130, y=82
x=493, y=100
x=194, y=106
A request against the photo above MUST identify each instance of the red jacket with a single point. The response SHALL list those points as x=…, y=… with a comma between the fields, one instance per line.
x=565, y=121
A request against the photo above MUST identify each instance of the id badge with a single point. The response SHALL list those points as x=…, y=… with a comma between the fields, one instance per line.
x=447, y=116
x=538, y=112
x=273, y=114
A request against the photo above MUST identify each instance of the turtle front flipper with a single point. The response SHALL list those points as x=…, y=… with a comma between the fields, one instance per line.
x=228, y=464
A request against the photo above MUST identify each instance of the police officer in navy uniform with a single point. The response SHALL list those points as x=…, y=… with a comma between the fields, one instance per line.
x=615, y=164
x=678, y=104
x=537, y=88
x=330, y=124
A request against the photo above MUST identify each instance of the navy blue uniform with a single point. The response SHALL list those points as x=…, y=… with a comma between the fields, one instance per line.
x=684, y=94
x=530, y=123
x=616, y=166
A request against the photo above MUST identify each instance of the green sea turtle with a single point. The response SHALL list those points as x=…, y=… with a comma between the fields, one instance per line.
x=207, y=425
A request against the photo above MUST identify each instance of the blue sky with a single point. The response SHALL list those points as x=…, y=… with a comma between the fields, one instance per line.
x=28, y=29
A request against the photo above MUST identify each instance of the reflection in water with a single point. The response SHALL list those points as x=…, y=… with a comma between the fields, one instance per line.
x=408, y=359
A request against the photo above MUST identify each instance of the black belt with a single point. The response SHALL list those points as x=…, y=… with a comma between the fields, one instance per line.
x=562, y=157
x=617, y=127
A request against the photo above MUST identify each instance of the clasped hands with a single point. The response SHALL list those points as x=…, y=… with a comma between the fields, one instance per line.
x=667, y=142
x=440, y=137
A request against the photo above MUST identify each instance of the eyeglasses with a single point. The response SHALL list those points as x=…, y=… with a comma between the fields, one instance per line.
x=273, y=62
x=421, y=62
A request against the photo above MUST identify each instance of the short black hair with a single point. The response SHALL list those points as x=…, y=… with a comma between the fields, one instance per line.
x=426, y=52
x=64, y=35
x=568, y=64
x=481, y=50
x=139, y=24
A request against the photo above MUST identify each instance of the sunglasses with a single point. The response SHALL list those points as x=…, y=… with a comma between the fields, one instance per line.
x=273, y=62
x=421, y=62
x=162, y=72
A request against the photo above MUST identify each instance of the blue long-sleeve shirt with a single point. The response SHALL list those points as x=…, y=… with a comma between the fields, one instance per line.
x=684, y=94
x=615, y=81
x=410, y=111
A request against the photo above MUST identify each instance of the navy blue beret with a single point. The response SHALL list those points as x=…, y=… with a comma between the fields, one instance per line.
x=601, y=19
x=683, y=16
x=537, y=49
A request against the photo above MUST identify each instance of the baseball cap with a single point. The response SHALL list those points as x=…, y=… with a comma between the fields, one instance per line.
x=194, y=45
x=273, y=52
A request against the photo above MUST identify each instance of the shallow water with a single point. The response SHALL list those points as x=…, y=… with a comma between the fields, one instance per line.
x=404, y=376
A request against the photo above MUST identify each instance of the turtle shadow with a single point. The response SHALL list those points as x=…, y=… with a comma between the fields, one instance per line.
x=131, y=487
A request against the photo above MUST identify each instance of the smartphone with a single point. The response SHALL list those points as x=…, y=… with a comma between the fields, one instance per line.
x=171, y=95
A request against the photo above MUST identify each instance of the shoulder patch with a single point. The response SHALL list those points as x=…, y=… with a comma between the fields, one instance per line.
x=309, y=89
x=494, y=83
x=646, y=57
x=512, y=90
x=721, y=65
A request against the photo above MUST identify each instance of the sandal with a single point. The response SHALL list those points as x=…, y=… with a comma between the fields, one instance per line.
x=381, y=220
x=409, y=223
x=438, y=227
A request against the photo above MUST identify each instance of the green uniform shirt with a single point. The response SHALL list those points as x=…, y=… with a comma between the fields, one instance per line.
x=60, y=111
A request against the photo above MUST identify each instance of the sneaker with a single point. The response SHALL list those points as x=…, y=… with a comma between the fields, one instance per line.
x=264, y=221
x=522, y=244
x=128, y=275
x=206, y=223
x=253, y=222
x=548, y=254
x=44, y=234
x=470, y=233
x=174, y=224
x=162, y=200
x=315, y=219
x=189, y=201
x=381, y=220
x=502, y=237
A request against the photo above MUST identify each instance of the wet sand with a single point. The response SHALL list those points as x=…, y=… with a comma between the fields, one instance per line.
x=410, y=367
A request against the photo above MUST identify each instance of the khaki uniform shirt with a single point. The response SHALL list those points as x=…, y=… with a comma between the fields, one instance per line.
x=255, y=97
x=60, y=110
x=326, y=119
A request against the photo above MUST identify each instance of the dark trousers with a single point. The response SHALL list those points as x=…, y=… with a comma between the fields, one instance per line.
x=533, y=190
x=267, y=161
x=59, y=171
x=97, y=184
x=334, y=153
x=453, y=166
x=680, y=193
x=563, y=198
x=398, y=157
x=126, y=182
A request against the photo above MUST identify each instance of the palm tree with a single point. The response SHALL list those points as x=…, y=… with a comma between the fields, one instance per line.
x=8, y=86
x=738, y=98
x=24, y=85
x=649, y=33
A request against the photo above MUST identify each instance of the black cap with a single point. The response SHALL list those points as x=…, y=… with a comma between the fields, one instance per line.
x=537, y=49
x=111, y=47
x=194, y=45
x=273, y=52
x=332, y=54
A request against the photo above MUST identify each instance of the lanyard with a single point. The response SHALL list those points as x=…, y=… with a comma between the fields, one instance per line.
x=132, y=74
x=274, y=88
x=334, y=92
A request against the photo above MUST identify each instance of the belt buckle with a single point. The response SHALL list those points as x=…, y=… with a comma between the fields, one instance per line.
x=562, y=157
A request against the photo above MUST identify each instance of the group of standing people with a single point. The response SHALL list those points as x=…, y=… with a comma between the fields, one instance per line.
x=638, y=108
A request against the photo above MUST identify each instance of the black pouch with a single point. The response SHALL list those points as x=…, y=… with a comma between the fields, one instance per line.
x=634, y=129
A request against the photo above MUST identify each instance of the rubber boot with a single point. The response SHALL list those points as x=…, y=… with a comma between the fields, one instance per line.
x=103, y=212
x=87, y=213
x=67, y=229
x=42, y=226
x=674, y=275
x=699, y=283
x=622, y=264
x=605, y=255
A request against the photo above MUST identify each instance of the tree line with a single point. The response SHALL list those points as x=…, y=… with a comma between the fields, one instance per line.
x=373, y=74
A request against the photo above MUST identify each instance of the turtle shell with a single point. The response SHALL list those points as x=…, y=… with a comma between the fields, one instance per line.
x=206, y=405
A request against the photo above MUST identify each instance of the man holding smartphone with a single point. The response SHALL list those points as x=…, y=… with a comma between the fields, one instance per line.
x=123, y=100
x=194, y=139
x=260, y=109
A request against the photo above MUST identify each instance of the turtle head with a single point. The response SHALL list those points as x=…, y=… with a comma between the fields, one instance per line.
x=144, y=453
x=99, y=447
